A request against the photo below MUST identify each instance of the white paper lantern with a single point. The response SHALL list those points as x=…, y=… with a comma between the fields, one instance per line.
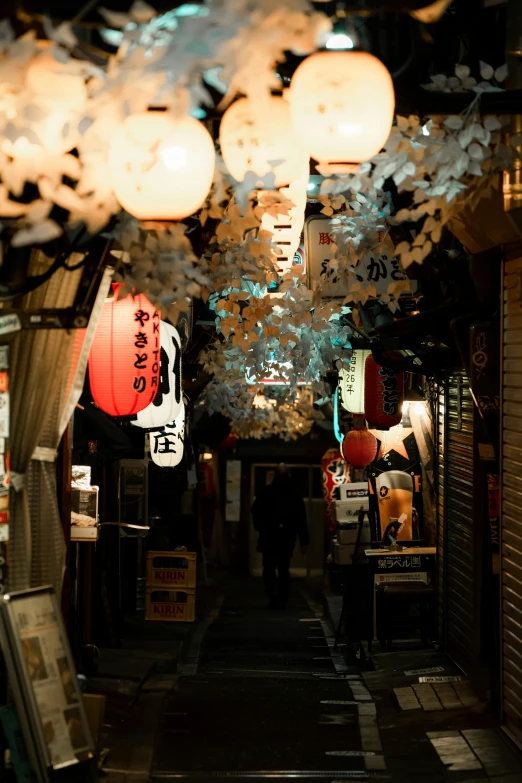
x=166, y=444
x=351, y=383
x=287, y=229
x=261, y=138
x=169, y=399
x=342, y=106
x=161, y=168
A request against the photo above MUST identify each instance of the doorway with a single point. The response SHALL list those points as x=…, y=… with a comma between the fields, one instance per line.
x=309, y=481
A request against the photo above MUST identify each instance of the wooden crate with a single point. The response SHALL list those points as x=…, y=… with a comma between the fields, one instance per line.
x=170, y=606
x=171, y=569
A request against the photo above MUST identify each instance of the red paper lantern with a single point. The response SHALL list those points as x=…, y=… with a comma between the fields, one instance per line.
x=124, y=362
x=359, y=448
x=383, y=395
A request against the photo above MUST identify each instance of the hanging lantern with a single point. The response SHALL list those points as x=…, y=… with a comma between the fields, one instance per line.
x=167, y=403
x=124, y=367
x=166, y=444
x=342, y=106
x=161, y=168
x=383, y=395
x=287, y=229
x=351, y=383
x=359, y=447
x=335, y=473
x=54, y=83
x=261, y=138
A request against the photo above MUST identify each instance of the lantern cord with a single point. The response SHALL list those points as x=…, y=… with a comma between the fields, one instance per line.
x=337, y=431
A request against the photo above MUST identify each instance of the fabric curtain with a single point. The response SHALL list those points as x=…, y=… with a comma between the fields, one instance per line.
x=45, y=375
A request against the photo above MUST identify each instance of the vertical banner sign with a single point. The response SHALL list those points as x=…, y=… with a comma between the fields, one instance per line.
x=233, y=506
x=4, y=465
x=335, y=473
x=494, y=519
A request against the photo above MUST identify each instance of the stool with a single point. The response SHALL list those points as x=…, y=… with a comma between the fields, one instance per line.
x=392, y=598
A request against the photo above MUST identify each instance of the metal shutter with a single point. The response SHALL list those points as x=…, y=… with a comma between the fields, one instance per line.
x=441, y=511
x=511, y=523
x=460, y=563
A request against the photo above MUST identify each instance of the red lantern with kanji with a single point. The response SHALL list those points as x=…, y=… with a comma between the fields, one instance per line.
x=359, y=447
x=383, y=395
x=124, y=361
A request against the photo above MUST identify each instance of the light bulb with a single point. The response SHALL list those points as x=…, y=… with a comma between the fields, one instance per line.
x=338, y=41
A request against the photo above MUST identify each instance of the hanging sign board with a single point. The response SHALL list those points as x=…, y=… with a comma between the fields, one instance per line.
x=378, y=269
x=42, y=675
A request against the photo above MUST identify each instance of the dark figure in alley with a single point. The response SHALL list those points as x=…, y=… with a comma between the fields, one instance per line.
x=279, y=516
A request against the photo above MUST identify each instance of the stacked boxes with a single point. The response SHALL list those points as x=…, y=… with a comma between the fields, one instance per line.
x=354, y=498
x=171, y=586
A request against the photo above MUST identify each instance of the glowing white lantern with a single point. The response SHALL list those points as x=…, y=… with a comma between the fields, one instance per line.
x=342, y=105
x=166, y=444
x=351, y=383
x=161, y=168
x=168, y=401
x=54, y=83
x=287, y=229
x=261, y=138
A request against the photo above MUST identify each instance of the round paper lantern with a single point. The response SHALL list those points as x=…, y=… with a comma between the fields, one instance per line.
x=53, y=83
x=166, y=444
x=383, y=395
x=261, y=138
x=342, y=106
x=351, y=383
x=161, y=168
x=167, y=403
x=359, y=447
x=124, y=366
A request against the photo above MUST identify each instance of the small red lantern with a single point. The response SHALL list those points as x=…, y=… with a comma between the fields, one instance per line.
x=359, y=447
x=124, y=361
x=383, y=395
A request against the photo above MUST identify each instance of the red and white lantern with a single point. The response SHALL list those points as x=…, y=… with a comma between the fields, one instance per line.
x=383, y=395
x=166, y=444
x=124, y=361
x=167, y=403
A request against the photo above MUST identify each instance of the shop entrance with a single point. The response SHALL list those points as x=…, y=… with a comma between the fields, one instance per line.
x=308, y=480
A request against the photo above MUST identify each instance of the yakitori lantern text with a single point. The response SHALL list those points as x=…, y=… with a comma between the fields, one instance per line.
x=124, y=361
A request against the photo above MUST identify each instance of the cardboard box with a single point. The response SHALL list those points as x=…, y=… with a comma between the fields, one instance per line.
x=348, y=510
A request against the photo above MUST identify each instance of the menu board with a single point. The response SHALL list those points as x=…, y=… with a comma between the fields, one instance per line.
x=41, y=661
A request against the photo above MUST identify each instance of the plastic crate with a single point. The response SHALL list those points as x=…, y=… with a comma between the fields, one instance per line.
x=170, y=606
x=171, y=569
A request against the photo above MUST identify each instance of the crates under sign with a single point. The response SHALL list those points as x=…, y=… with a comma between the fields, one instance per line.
x=172, y=606
x=171, y=569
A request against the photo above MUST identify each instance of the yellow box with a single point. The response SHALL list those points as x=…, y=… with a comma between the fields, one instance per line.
x=170, y=606
x=171, y=569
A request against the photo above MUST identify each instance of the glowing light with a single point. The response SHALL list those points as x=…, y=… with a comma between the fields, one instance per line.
x=144, y=152
x=339, y=41
x=335, y=109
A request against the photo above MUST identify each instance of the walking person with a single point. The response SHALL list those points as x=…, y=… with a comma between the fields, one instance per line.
x=279, y=516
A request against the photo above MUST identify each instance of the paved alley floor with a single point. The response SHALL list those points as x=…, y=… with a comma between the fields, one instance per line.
x=263, y=693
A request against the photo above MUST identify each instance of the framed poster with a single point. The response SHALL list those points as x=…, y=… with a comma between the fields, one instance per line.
x=45, y=687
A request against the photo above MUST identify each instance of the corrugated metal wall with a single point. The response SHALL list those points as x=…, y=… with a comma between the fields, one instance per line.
x=511, y=520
